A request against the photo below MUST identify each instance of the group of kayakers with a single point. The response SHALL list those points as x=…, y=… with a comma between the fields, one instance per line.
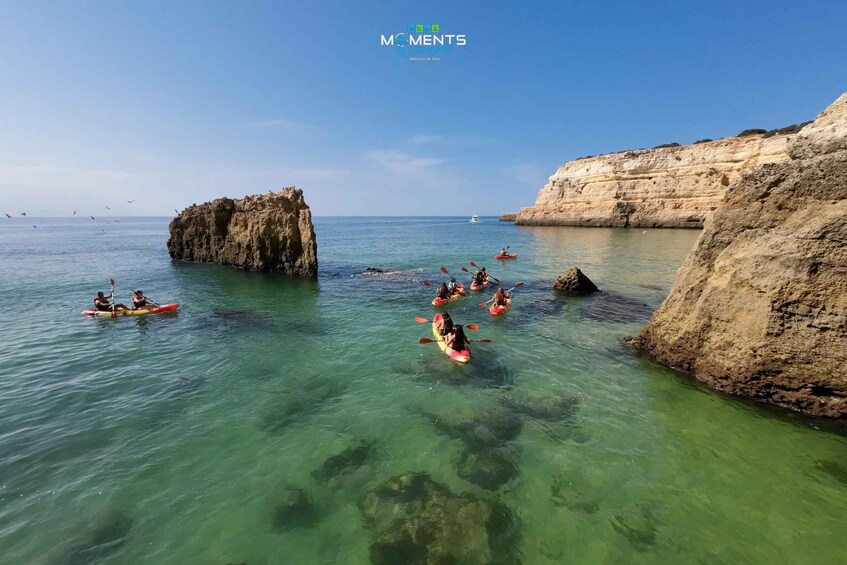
x=448, y=289
x=104, y=303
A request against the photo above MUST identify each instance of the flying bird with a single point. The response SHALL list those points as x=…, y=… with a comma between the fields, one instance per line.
x=23, y=213
x=107, y=208
x=175, y=212
x=33, y=225
x=130, y=201
x=7, y=215
x=92, y=217
x=74, y=212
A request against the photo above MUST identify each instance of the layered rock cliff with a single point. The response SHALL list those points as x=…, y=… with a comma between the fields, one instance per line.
x=759, y=308
x=666, y=187
x=267, y=232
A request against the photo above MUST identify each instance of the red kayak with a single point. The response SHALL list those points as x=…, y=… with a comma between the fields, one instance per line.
x=498, y=310
x=460, y=292
x=507, y=256
x=475, y=286
x=131, y=312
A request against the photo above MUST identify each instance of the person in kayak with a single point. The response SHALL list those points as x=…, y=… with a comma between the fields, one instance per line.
x=443, y=292
x=141, y=301
x=501, y=297
x=446, y=325
x=452, y=286
x=502, y=252
x=103, y=304
x=480, y=277
x=456, y=340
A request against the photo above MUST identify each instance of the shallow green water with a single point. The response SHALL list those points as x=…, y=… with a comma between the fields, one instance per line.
x=175, y=435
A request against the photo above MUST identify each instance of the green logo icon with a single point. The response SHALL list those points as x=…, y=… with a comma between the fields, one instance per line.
x=436, y=28
x=419, y=28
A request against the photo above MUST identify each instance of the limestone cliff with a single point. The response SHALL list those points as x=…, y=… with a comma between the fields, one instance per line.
x=267, y=232
x=666, y=187
x=759, y=308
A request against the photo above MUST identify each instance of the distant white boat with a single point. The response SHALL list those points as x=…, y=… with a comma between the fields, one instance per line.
x=474, y=218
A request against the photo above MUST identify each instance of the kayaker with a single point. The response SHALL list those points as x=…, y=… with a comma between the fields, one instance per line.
x=446, y=326
x=480, y=277
x=443, y=292
x=141, y=301
x=500, y=297
x=103, y=304
x=502, y=252
x=456, y=340
x=452, y=286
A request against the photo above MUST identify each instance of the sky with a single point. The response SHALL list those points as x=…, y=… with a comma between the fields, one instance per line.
x=171, y=103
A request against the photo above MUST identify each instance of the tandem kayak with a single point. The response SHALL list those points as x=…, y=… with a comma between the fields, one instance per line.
x=139, y=312
x=460, y=292
x=507, y=256
x=462, y=356
x=475, y=286
x=498, y=310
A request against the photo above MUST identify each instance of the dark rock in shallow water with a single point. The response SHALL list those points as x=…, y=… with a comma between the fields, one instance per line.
x=612, y=307
x=573, y=281
x=294, y=509
x=836, y=470
x=490, y=428
x=572, y=496
x=416, y=520
x=108, y=535
x=351, y=458
x=546, y=408
x=298, y=402
x=637, y=525
x=488, y=468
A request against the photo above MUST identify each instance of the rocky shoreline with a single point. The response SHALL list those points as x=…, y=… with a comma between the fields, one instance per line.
x=759, y=308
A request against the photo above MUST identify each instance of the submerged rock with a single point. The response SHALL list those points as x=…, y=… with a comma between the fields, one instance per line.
x=489, y=428
x=637, y=525
x=108, y=534
x=294, y=509
x=759, y=308
x=267, y=232
x=573, y=497
x=573, y=281
x=299, y=401
x=487, y=468
x=546, y=408
x=351, y=458
x=416, y=520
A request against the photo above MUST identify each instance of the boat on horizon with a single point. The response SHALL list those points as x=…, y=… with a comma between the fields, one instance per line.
x=474, y=218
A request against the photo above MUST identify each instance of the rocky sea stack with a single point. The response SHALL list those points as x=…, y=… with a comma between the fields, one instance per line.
x=574, y=281
x=267, y=232
x=759, y=308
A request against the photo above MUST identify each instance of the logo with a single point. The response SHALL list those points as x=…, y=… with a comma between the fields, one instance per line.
x=423, y=42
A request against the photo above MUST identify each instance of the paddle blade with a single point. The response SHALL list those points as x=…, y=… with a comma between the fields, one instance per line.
x=472, y=264
x=483, y=304
x=472, y=327
x=465, y=269
x=420, y=320
x=427, y=283
x=444, y=270
x=425, y=340
x=483, y=341
x=112, y=282
x=520, y=284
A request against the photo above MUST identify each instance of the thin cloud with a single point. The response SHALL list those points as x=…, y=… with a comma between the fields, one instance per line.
x=423, y=138
x=282, y=125
x=403, y=163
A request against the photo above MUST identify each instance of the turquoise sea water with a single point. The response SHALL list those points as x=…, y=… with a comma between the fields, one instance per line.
x=170, y=439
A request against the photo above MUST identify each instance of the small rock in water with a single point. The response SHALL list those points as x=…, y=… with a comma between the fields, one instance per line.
x=293, y=509
x=488, y=469
x=573, y=281
x=546, y=408
x=637, y=525
x=108, y=535
x=836, y=470
x=351, y=458
x=298, y=402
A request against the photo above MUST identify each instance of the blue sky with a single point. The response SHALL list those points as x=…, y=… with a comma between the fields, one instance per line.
x=173, y=103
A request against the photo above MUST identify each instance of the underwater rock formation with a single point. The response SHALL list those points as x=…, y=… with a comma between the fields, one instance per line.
x=298, y=401
x=759, y=308
x=416, y=520
x=107, y=535
x=266, y=232
x=293, y=509
x=351, y=458
x=573, y=281
x=488, y=468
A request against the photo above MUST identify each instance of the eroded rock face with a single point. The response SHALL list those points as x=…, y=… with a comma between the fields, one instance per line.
x=508, y=217
x=759, y=308
x=267, y=232
x=665, y=187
